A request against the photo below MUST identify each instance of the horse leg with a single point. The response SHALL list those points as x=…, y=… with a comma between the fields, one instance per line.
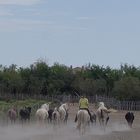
x=22, y=121
x=14, y=121
x=83, y=128
x=130, y=124
x=103, y=125
x=94, y=118
x=78, y=125
x=100, y=122
x=107, y=119
x=28, y=120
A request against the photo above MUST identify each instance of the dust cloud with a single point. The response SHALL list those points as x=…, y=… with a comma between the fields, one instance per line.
x=32, y=131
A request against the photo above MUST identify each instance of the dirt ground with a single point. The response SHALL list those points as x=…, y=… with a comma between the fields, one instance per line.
x=117, y=129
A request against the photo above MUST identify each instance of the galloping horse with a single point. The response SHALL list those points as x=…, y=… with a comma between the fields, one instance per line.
x=63, y=110
x=102, y=114
x=25, y=114
x=83, y=119
x=50, y=112
x=129, y=116
x=12, y=114
x=42, y=113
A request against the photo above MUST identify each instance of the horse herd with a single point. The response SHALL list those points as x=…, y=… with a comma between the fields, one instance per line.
x=55, y=115
x=60, y=115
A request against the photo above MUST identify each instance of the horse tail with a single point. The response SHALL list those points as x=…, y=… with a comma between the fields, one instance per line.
x=66, y=117
x=107, y=119
x=82, y=121
x=82, y=117
x=94, y=117
x=102, y=116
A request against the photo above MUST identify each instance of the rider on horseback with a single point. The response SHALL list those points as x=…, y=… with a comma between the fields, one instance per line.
x=84, y=105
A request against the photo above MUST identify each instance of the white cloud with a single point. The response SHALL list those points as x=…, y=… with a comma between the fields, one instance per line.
x=19, y=2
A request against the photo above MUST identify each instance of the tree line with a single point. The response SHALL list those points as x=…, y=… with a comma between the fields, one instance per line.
x=41, y=79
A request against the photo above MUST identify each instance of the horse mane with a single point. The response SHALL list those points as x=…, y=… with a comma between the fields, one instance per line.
x=102, y=116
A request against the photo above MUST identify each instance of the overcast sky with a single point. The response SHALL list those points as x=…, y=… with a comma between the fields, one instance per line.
x=70, y=32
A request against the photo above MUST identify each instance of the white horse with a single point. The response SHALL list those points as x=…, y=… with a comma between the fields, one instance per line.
x=45, y=106
x=83, y=119
x=63, y=110
x=42, y=113
x=102, y=114
x=56, y=116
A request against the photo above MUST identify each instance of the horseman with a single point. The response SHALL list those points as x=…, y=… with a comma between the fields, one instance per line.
x=84, y=105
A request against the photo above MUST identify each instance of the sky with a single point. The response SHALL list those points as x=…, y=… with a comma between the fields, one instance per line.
x=70, y=32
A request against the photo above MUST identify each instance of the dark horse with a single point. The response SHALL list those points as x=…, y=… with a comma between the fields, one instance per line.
x=129, y=116
x=25, y=114
x=50, y=112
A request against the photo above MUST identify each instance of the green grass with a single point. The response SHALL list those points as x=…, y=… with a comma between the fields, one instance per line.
x=4, y=106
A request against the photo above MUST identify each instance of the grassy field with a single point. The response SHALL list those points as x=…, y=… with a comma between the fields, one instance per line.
x=5, y=105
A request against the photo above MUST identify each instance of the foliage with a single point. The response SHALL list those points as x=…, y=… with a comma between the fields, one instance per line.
x=128, y=88
x=42, y=79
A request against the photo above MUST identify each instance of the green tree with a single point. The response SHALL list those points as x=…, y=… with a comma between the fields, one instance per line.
x=127, y=88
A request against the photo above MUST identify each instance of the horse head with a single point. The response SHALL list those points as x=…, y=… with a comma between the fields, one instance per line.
x=101, y=104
